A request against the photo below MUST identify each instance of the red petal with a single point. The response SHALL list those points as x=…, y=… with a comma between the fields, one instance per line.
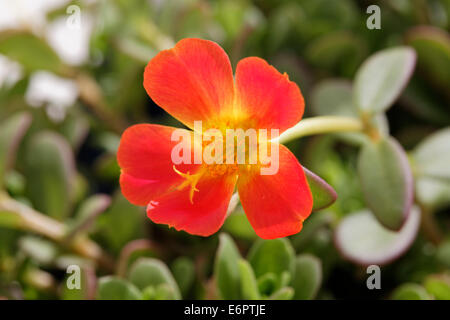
x=193, y=81
x=204, y=216
x=276, y=205
x=144, y=156
x=267, y=96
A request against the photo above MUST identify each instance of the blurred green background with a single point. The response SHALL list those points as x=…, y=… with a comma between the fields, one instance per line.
x=71, y=82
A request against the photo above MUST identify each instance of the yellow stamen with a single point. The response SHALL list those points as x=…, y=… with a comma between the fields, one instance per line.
x=191, y=180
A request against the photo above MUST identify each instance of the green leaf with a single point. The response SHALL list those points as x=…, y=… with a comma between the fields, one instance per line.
x=340, y=50
x=75, y=128
x=165, y=292
x=121, y=223
x=50, y=171
x=92, y=206
x=312, y=227
x=237, y=224
x=438, y=286
x=282, y=22
x=433, y=50
x=160, y=292
x=271, y=256
x=148, y=293
x=285, y=278
x=433, y=193
x=285, y=293
x=362, y=239
x=226, y=268
x=333, y=97
x=112, y=288
x=382, y=77
x=31, y=52
x=40, y=250
x=307, y=277
x=268, y=283
x=386, y=181
x=89, y=210
x=432, y=155
x=11, y=132
x=249, y=285
x=410, y=291
x=147, y=272
x=183, y=270
x=323, y=194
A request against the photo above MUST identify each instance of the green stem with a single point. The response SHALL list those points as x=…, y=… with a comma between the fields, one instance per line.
x=318, y=125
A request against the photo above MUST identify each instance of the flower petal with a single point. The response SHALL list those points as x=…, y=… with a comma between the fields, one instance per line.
x=267, y=96
x=192, y=81
x=205, y=215
x=276, y=205
x=144, y=155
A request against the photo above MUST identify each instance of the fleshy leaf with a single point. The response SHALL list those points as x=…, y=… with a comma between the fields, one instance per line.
x=50, y=171
x=249, y=285
x=433, y=50
x=410, y=291
x=11, y=132
x=285, y=293
x=433, y=193
x=386, y=181
x=363, y=240
x=30, y=51
x=89, y=210
x=112, y=288
x=152, y=272
x=323, y=194
x=432, y=155
x=268, y=283
x=160, y=292
x=237, y=224
x=271, y=256
x=226, y=268
x=431, y=160
x=438, y=286
x=183, y=270
x=42, y=251
x=339, y=50
x=307, y=277
x=117, y=228
x=333, y=97
x=382, y=77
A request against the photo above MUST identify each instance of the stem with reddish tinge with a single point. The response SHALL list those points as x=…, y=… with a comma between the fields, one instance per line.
x=29, y=219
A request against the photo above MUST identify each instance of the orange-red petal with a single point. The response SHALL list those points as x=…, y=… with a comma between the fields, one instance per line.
x=276, y=205
x=144, y=156
x=192, y=81
x=267, y=96
x=204, y=215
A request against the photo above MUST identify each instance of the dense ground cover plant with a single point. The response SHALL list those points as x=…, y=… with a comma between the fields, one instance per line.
x=375, y=130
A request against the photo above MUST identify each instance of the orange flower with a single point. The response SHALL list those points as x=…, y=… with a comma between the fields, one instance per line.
x=194, y=82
